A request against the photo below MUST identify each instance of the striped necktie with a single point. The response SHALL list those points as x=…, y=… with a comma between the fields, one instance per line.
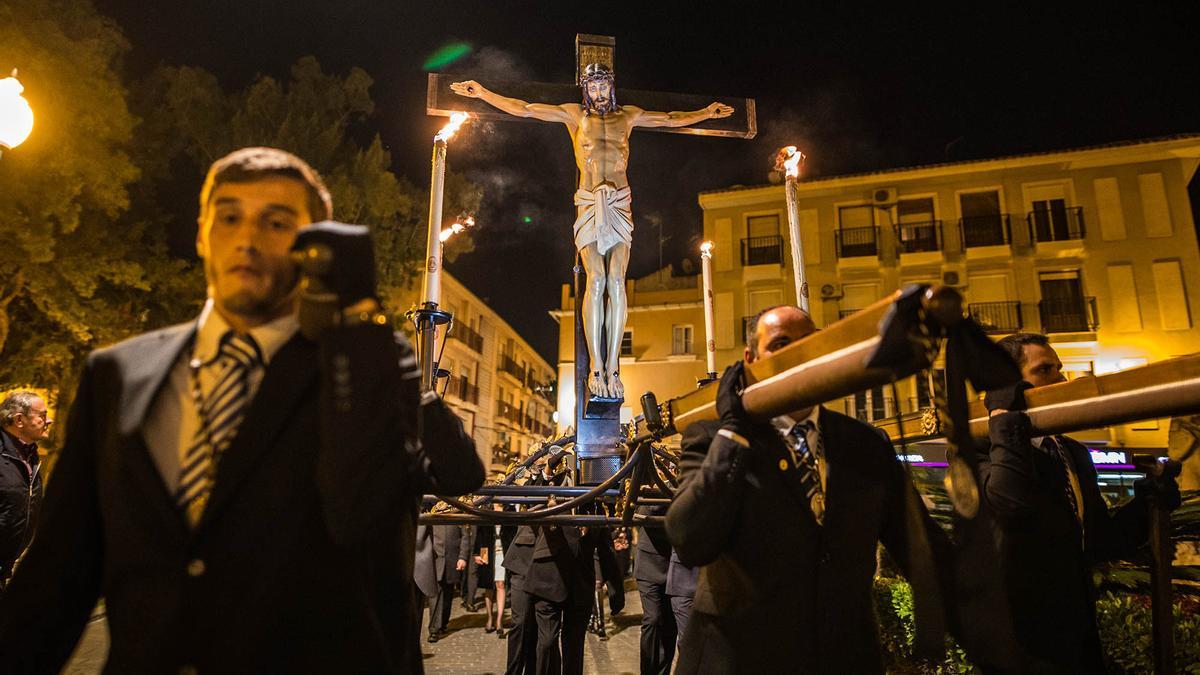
x=220, y=411
x=810, y=472
x=1054, y=447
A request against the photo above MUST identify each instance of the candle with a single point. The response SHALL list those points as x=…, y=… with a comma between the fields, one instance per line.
x=710, y=342
x=789, y=159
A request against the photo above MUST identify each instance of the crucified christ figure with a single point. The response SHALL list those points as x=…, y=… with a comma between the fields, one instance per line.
x=600, y=132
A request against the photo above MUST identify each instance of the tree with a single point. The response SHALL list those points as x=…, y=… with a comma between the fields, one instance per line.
x=317, y=116
x=73, y=274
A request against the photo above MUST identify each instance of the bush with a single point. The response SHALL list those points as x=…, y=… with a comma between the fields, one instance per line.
x=894, y=604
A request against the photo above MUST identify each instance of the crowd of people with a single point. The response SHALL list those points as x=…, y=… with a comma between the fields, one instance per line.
x=243, y=491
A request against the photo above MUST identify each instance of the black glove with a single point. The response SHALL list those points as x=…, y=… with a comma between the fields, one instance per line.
x=340, y=257
x=1162, y=491
x=729, y=399
x=1009, y=398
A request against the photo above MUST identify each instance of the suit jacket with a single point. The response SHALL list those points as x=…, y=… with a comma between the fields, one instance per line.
x=424, y=572
x=557, y=563
x=653, y=550
x=20, y=501
x=778, y=592
x=303, y=558
x=1045, y=554
x=449, y=546
x=681, y=579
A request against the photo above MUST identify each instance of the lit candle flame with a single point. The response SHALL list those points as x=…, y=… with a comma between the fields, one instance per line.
x=791, y=158
x=706, y=249
x=456, y=228
x=456, y=121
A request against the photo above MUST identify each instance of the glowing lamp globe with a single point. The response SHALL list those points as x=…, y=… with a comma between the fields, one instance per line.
x=16, y=117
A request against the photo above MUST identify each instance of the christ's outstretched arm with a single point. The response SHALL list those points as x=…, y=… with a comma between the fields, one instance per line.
x=512, y=106
x=650, y=118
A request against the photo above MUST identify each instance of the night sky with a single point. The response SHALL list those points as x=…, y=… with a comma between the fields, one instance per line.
x=857, y=88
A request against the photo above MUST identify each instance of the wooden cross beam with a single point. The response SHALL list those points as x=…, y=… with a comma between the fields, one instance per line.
x=589, y=49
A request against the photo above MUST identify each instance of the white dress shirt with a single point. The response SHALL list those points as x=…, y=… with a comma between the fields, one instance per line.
x=173, y=419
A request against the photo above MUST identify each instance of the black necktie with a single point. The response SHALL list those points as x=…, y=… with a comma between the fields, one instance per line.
x=1055, y=447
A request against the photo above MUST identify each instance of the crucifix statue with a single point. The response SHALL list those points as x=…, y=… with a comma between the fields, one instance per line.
x=600, y=132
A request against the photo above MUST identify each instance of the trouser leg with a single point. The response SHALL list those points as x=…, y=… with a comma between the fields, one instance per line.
x=439, y=615
x=548, y=616
x=658, y=629
x=522, y=634
x=574, y=631
x=681, y=607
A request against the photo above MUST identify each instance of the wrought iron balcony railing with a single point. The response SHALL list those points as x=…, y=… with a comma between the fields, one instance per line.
x=762, y=250
x=997, y=317
x=920, y=237
x=467, y=335
x=1071, y=315
x=991, y=230
x=853, y=242
x=510, y=366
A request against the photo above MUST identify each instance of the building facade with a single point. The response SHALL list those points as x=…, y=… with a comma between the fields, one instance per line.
x=1096, y=247
x=497, y=384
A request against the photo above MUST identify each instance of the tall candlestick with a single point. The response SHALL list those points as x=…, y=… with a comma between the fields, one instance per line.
x=428, y=315
x=710, y=341
x=789, y=159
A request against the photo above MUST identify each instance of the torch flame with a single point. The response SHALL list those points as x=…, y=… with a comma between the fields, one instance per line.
x=456, y=121
x=706, y=249
x=792, y=158
x=456, y=228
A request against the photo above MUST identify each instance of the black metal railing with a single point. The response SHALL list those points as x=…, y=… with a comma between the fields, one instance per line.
x=467, y=335
x=997, y=317
x=990, y=230
x=843, y=313
x=545, y=390
x=1055, y=224
x=1070, y=315
x=920, y=237
x=508, y=365
x=762, y=250
x=464, y=390
x=853, y=242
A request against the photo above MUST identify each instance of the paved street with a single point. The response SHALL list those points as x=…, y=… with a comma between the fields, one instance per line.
x=467, y=650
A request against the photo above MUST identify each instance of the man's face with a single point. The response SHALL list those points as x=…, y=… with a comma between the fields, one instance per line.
x=34, y=426
x=1041, y=366
x=244, y=238
x=777, y=329
x=599, y=91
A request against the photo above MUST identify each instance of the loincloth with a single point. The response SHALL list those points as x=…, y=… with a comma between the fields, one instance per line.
x=606, y=217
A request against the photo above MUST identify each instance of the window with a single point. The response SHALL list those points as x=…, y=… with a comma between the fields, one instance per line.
x=762, y=226
x=983, y=223
x=856, y=216
x=681, y=340
x=856, y=231
x=627, y=343
x=917, y=230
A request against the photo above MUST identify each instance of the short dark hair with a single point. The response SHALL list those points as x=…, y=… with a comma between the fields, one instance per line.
x=251, y=164
x=1015, y=344
x=751, y=336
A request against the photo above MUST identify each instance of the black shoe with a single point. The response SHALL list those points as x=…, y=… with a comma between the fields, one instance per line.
x=433, y=637
x=501, y=633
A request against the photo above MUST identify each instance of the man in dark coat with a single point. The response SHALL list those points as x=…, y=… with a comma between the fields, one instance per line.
x=1052, y=522
x=23, y=423
x=450, y=552
x=659, y=633
x=785, y=517
x=681, y=589
x=242, y=496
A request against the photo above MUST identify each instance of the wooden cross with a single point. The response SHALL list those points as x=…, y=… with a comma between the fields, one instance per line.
x=592, y=49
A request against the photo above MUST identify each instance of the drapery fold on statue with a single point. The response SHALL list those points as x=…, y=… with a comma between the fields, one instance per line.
x=605, y=217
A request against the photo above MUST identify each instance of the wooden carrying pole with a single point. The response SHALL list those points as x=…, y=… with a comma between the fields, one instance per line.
x=824, y=366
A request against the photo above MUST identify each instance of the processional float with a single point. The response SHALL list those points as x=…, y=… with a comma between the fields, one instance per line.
x=620, y=469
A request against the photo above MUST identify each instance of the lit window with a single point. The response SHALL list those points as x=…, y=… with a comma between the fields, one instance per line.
x=681, y=340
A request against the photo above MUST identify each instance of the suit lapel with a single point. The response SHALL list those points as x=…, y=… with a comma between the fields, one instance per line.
x=143, y=377
x=287, y=379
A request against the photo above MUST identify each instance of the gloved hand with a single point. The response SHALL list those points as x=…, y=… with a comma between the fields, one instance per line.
x=340, y=257
x=1007, y=398
x=1162, y=490
x=729, y=399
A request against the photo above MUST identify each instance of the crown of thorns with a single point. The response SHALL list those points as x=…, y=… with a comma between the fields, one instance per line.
x=596, y=71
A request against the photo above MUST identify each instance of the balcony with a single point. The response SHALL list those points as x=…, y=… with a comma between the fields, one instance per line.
x=843, y=313
x=1070, y=315
x=462, y=388
x=467, y=335
x=990, y=230
x=1055, y=224
x=921, y=237
x=762, y=250
x=997, y=317
x=857, y=242
x=746, y=323
x=508, y=365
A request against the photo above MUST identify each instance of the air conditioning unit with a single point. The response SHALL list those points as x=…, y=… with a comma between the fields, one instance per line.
x=884, y=196
x=830, y=291
x=952, y=278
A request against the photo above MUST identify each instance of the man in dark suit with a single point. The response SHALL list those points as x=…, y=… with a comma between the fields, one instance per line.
x=681, y=589
x=1052, y=522
x=785, y=517
x=659, y=631
x=244, y=498
x=450, y=552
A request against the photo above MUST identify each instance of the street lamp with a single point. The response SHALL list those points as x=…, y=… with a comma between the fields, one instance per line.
x=16, y=117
